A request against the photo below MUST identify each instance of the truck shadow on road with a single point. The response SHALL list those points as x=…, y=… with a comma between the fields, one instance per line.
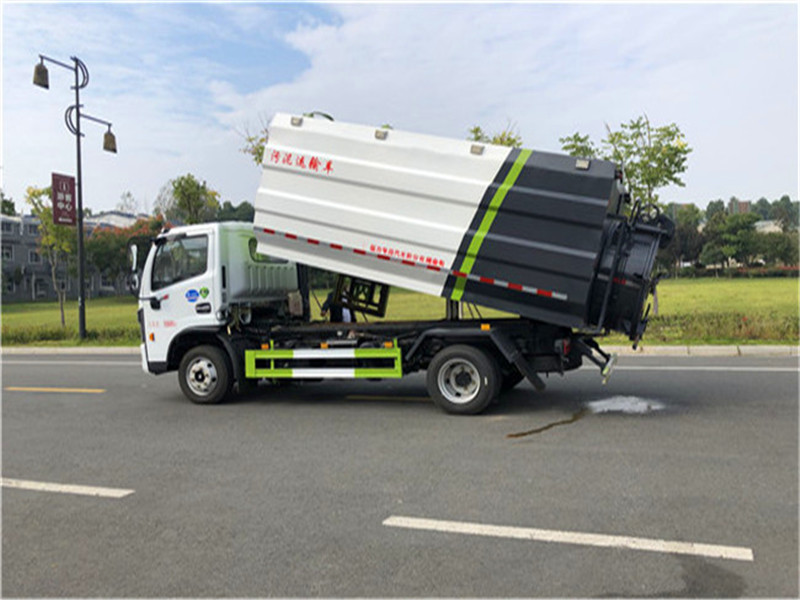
x=556, y=407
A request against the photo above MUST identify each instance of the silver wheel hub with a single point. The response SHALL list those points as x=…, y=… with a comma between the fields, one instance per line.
x=459, y=381
x=201, y=376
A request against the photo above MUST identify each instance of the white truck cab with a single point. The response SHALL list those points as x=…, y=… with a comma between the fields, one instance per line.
x=200, y=279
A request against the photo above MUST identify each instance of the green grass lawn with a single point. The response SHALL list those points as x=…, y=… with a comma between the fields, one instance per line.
x=746, y=296
x=691, y=311
x=109, y=321
x=725, y=311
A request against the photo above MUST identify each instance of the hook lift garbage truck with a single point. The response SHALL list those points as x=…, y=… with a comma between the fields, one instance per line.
x=543, y=237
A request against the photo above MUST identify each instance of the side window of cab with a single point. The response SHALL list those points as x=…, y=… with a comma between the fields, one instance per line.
x=179, y=259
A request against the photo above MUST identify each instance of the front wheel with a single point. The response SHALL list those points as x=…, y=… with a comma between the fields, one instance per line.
x=204, y=375
x=463, y=380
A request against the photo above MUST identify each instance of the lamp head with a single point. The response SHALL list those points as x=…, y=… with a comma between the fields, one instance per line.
x=40, y=76
x=109, y=142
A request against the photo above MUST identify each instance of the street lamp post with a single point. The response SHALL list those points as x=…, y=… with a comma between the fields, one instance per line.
x=42, y=79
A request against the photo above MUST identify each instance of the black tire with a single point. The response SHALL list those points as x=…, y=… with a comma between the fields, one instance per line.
x=205, y=375
x=463, y=380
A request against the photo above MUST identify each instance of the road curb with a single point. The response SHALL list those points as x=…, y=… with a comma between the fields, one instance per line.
x=705, y=351
x=91, y=350
x=699, y=351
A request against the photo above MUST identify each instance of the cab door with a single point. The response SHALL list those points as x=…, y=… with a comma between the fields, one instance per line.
x=176, y=291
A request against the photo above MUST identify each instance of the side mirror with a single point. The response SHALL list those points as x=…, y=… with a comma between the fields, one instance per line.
x=133, y=283
x=137, y=249
x=133, y=255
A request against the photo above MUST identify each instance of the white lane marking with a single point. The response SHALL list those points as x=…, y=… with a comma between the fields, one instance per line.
x=573, y=537
x=82, y=490
x=731, y=369
x=73, y=363
x=54, y=390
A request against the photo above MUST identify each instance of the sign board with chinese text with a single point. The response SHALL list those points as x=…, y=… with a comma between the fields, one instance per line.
x=63, y=195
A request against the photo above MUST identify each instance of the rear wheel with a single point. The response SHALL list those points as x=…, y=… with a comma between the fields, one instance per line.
x=463, y=379
x=204, y=375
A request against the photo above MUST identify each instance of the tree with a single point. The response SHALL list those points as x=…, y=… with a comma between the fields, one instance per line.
x=690, y=240
x=651, y=157
x=187, y=200
x=254, y=144
x=242, y=212
x=712, y=254
x=164, y=205
x=56, y=242
x=687, y=242
x=762, y=208
x=578, y=145
x=198, y=203
x=715, y=207
x=786, y=213
x=779, y=247
x=8, y=207
x=106, y=249
x=716, y=250
x=739, y=237
x=127, y=203
x=507, y=137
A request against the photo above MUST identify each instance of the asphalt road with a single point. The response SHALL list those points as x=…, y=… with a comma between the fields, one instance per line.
x=288, y=492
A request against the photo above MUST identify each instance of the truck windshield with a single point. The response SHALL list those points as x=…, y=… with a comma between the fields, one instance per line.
x=179, y=259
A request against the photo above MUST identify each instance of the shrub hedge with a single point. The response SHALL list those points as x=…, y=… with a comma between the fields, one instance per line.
x=739, y=272
x=716, y=327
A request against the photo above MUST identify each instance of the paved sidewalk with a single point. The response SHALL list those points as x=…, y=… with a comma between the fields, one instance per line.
x=643, y=350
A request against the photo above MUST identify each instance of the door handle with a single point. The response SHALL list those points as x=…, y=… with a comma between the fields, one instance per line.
x=155, y=301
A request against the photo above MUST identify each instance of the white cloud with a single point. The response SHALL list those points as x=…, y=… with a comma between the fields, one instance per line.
x=726, y=74
x=179, y=81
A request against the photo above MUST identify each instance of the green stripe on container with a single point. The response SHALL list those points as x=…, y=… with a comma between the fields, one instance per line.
x=486, y=223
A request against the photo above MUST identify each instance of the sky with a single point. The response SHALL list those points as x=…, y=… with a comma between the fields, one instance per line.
x=183, y=82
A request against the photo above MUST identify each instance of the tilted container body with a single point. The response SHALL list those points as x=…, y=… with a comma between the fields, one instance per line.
x=534, y=233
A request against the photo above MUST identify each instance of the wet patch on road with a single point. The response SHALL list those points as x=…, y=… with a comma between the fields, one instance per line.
x=577, y=416
x=626, y=405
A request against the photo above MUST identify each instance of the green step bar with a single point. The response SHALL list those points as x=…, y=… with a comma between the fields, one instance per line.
x=325, y=372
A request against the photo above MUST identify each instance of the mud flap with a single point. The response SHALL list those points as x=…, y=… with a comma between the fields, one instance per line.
x=513, y=355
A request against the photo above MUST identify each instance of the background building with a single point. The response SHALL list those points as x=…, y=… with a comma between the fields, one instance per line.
x=26, y=275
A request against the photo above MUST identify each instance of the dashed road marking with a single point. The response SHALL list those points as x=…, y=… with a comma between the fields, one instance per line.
x=81, y=490
x=73, y=363
x=573, y=537
x=55, y=390
x=732, y=369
